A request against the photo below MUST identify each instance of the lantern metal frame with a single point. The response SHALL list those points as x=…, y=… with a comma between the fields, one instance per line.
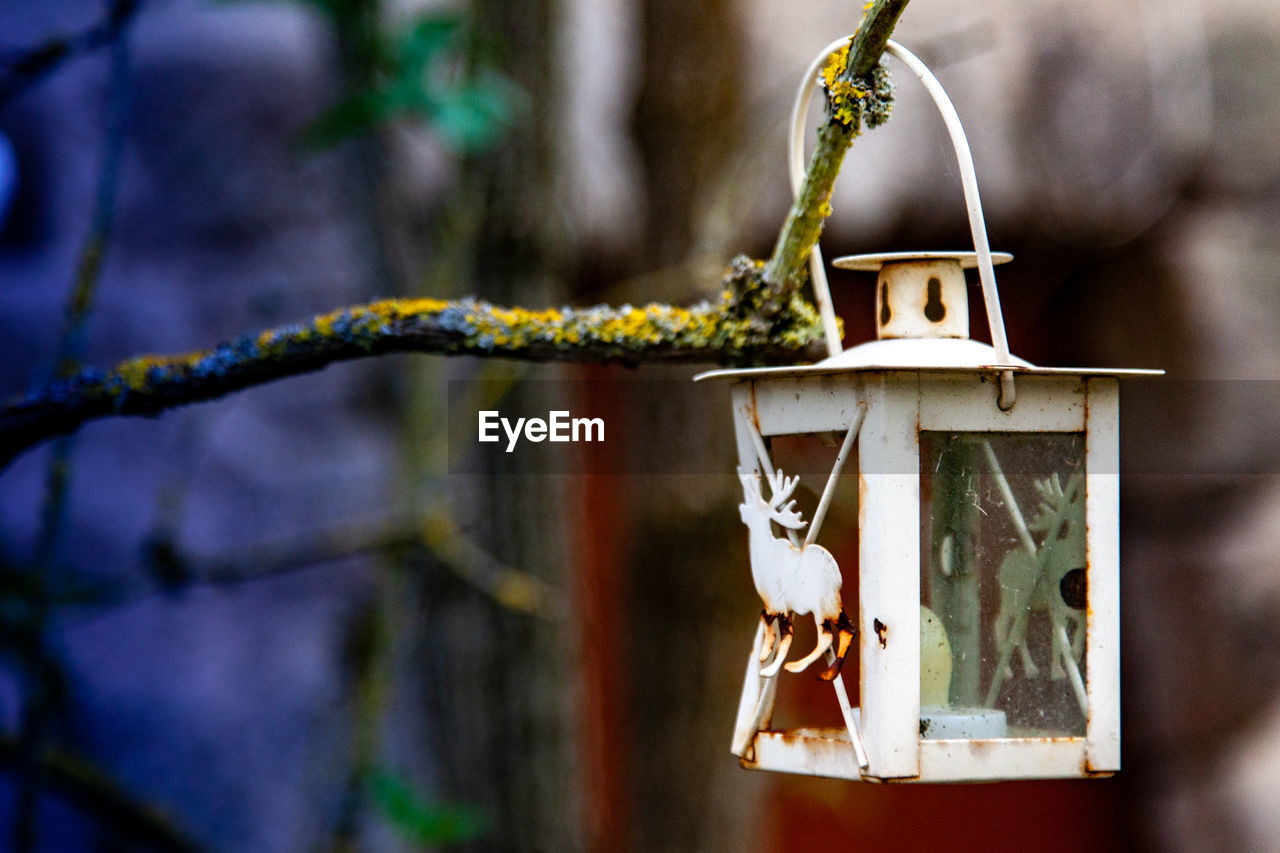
x=881, y=397
x=895, y=406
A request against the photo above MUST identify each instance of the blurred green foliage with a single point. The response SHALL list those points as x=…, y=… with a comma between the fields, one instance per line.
x=419, y=72
x=419, y=821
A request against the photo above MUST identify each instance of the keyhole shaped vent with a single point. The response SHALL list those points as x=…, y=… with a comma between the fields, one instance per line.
x=918, y=294
x=934, y=310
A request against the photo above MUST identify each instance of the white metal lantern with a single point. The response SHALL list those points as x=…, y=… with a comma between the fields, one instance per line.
x=987, y=619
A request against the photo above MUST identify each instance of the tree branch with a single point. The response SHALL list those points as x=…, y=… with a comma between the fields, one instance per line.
x=730, y=331
x=758, y=319
x=856, y=89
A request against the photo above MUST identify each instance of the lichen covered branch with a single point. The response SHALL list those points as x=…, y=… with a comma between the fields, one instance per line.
x=857, y=91
x=731, y=330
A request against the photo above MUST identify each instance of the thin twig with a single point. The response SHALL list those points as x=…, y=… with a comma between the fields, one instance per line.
x=39, y=62
x=39, y=665
x=433, y=532
x=80, y=301
x=93, y=793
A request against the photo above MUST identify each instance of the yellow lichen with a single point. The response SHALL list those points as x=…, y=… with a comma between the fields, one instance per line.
x=136, y=371
x=482, y=327
x=850, y=103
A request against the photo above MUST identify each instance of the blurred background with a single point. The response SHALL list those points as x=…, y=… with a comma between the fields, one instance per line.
x=300, y=619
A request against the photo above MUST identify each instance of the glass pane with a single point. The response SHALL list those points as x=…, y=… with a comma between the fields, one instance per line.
x=1002, y=585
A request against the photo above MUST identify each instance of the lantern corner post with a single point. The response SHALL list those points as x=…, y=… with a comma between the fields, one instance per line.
x=1102, y=496
x=889, y=576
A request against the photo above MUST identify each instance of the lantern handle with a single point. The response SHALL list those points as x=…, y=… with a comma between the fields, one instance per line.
x=968, y=180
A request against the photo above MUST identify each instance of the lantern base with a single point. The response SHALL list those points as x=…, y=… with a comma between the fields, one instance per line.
x=829, y=752
x=938, y=723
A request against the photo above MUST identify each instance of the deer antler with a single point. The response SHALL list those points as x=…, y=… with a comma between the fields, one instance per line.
x=780, y=488
x=786, y=514
x=1054, y=499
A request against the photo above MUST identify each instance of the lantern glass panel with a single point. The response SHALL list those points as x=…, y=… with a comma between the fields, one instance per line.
x=1003, y=581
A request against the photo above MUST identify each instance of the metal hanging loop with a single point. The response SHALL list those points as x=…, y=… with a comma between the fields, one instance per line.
x=973, y=203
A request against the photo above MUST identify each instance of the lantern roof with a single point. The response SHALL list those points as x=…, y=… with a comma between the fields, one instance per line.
x=962, y=355
x=872, y=263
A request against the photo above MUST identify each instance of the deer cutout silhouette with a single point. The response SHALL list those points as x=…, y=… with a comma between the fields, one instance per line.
x=791, y=578
x=1058, y=588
